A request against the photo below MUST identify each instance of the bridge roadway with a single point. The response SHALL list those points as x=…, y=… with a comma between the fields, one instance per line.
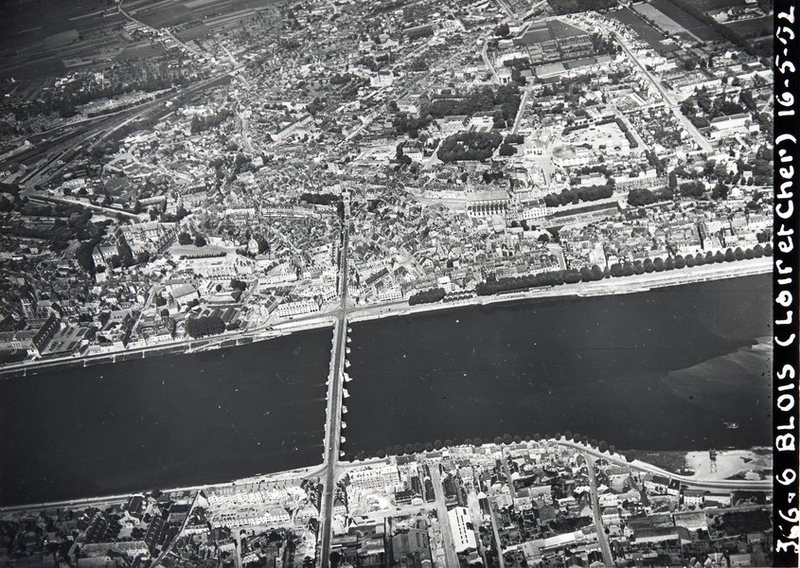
x=333, y=422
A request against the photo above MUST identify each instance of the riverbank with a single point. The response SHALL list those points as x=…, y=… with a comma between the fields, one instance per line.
x=606, y=287
x=750, y=464
x=177, y=347
x=595, y=365
x=105, y=501
x=609, y=286
x=733, y=467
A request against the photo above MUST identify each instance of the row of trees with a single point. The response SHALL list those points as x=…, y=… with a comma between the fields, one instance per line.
x=583, y=114
x=319, y=198
x=555, y=278
x=655, y=161
x=238, y=285
x=429, y=296
x=404, y=123
x=701, y=110
x=693, y=188
x=123, y=258
x=567, y=196
x=514, y=283
x=506, y=439
x=83, y=254
x=601, y=446
x=572, y=6
x=689, y=261
x=436, y=445
x=341, y=79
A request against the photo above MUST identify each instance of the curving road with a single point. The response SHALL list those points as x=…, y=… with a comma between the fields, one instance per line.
x=644, y=467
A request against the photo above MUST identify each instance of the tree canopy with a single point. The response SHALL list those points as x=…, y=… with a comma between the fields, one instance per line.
x=641, y=196
x=573, y=6
x=576, y=195
x=429, y=296
x=469, y=146
x=204, y=325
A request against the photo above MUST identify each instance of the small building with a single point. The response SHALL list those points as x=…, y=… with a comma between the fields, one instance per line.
x=657, y=483
x=745, y=559
x=297, y=308
x=694, y=497
x=717, y=499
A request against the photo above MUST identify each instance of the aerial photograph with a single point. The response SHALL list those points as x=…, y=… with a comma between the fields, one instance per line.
x=386, y=283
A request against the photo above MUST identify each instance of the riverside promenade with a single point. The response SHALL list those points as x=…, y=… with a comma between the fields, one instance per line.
x=605, y=287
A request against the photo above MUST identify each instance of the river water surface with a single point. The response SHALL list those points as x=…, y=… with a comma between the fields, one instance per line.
x=665, y=369
x=659, y=370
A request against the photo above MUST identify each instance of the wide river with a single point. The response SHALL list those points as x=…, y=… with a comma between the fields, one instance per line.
x=661, y=370
x=166, y=421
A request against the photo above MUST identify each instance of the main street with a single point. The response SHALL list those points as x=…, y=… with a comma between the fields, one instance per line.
x=451, y=560
x=608, y=560
x=333, y=423
x=701, y=141
x=666, y=96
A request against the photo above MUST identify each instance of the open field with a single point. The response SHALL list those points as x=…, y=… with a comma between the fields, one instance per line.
x=143, y=50
x=27, y=21
x=729, y=464
x=165, y=15
x=39, y=38
x=561, y=30
x=645, y=31
x=663, y=21
x=713, y=5
x=672, y=461
x=193, y=32
x=744, y=464
x=754, y=27
x=547, y=31
x=686, y=20
x=32, y=68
